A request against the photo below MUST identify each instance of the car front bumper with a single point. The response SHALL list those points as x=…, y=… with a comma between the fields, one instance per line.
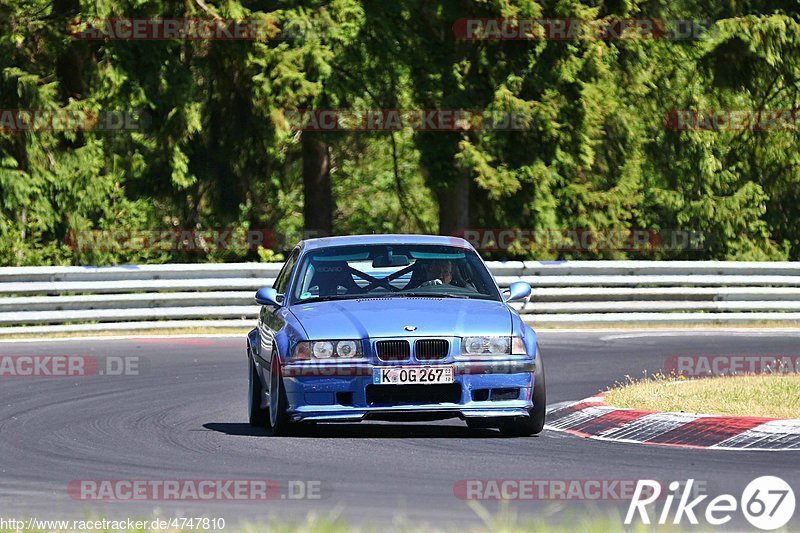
x=341, y=393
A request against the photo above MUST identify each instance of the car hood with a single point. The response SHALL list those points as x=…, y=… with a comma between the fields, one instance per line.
x=387, y=317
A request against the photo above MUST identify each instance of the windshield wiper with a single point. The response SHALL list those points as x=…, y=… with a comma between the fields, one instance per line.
x=328, y=298
x=432, y=295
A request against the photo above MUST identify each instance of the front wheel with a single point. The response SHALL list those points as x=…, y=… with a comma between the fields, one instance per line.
x=533, y=424
x=279, y=423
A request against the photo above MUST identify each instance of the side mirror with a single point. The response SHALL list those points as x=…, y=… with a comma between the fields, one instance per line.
x=519, y=290
x=267, y=296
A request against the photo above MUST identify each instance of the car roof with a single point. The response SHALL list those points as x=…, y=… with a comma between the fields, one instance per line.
x=354, y=240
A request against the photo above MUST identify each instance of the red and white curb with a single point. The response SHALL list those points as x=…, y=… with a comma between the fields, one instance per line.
x=591, y=418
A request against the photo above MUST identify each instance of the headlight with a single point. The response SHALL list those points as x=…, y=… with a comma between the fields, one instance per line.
x=472, y=345
x=322, y=350
x=499, y=345
x=347, y=349
x=486, y=345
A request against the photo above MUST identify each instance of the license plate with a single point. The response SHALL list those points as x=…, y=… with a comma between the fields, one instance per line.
x=418, y=375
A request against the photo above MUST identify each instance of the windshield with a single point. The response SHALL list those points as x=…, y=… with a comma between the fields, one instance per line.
x=379, y=270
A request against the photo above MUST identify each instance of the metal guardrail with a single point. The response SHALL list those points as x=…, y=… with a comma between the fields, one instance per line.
x=61, y=299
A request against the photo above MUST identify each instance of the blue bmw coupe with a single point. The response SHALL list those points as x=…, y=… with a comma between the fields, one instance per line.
x=393, y=327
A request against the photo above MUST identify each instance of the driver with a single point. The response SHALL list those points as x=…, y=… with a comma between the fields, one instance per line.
x=439, y=273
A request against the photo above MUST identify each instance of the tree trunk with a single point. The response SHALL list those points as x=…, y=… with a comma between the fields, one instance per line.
x=318, y=202
x=454, y=205
x=69, y=67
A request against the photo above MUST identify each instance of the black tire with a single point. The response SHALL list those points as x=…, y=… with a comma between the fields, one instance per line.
x=278, y=424
x=525, y=426
x=258, y=416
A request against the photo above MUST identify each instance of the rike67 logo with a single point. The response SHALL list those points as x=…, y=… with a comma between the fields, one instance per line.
x=767, y=503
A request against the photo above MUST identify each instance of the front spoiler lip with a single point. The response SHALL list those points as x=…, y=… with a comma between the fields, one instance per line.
x=356, y=369
x=512, y=408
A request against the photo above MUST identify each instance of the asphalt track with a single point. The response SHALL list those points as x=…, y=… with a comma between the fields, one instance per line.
x=184, y=417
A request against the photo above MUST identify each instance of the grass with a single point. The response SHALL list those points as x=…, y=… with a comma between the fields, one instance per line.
x=765, y=395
